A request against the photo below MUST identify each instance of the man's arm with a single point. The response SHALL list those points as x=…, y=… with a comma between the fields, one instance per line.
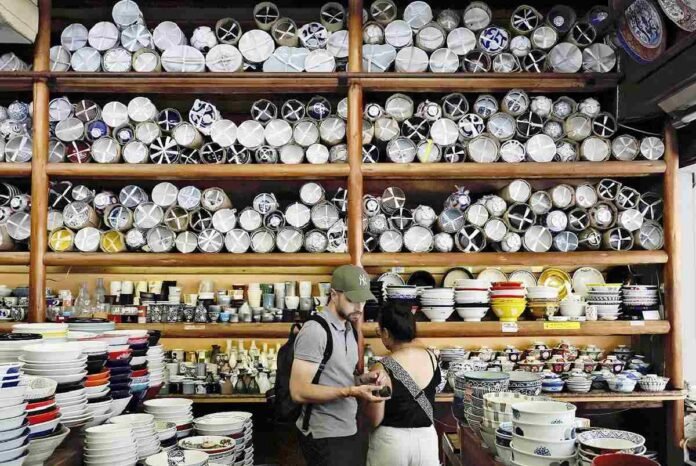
x=303, y=391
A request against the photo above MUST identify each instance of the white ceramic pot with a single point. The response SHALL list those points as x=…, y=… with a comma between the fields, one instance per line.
x=528, y=459
x=544, y=412
x=543, y=447
x=553, y=432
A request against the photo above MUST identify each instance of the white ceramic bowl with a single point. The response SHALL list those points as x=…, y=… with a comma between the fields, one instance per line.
x=530, y=459
x=15, y=453
x=167, y=405
x=11, y=444
x=114, y=339
x=472, y=314
x=191, y=458
x=119, y=405
x=108, y=431
x=12, y=423
x=543, y=447
x=9, y=402
x=105, y=442
x=13, y=392
x=13, y=411
x=13, y=433
x=544, y=412
x=94, y=347
x=134, y=333
x=69, y=378
x=135, y=420
x=72, y=402
x=437, y=314
x=56, y=371
x=552, y=432
x=51, y=352
x=39, y=387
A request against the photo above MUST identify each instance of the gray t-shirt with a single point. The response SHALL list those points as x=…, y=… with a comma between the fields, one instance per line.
x=335, y=418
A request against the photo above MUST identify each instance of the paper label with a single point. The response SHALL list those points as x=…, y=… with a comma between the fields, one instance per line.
x=651, y=315
x=637, y=323
x=509, y=327
x=561, y=325
x=398, y=270
x=194, y=327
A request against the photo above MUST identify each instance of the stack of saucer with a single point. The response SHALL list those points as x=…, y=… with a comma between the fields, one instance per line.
x=143, y=426
x=638, y=299
x=542, y=301
x=67, y=365
x=90, y=325
x=166, y=432
x=110, y=444
x=49, y=331
x=11, y=345
x=155, y=364
x=235, y=424
x=471, y=298
x=606, y=297
x=508, y=300
x=401, y=292
x=177, y=410
x=437, y=303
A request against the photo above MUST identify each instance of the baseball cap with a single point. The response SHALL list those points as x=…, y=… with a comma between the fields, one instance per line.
x=354, y=282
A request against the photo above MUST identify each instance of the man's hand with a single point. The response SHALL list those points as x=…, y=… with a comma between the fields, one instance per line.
x=365, y=392
x=377, y=376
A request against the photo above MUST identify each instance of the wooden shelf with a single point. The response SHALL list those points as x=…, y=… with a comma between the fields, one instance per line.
x=144, y=259
x=499, y=171
x=486, y=82
x=14, y=258
x=17, y=81
x=208, y=399
x=196, y=83
x=15, y=170
x=514, y=259
x=195, y=172
x=425, y=329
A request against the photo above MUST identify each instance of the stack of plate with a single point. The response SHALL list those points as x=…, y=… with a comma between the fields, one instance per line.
x=401, y=292
x=11, y=345
x=137, y=344
x=42, y=409
x=472, y=386
x=471, y=299
x=177, y=410
x=94, y=326
x=437, y=303
x=542, y=301
x=638, y=299
x=451, y=360
x=220, y=449
x=183, y=458
x=118, y=363
x=14, y=432
x=49, y=331
x=67, y=365
x=606, y=297
x=110, y=444
x=593, y=443
x=235, y=424
x=166, y=432
x=155, y=364
x=508, y=300
x=143, y=426
x=543, y=433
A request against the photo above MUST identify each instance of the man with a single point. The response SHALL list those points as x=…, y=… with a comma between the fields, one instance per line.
x=331, y=437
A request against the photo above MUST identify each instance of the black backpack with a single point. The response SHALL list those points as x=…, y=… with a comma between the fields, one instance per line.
x=285, y=410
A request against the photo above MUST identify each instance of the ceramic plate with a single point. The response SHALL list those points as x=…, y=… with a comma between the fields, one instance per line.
x=525, y=277
x=556, y=278
x=583, y=276
x=492, y=275
x=681, y=12
x=391, y=278
x=452, y=275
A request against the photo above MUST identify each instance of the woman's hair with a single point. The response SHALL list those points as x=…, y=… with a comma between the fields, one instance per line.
x=399, y=320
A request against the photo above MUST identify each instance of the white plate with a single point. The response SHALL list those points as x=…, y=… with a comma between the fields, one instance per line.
x=391, y=278
x=491, y=276
x=584, y=276
x=527, y=278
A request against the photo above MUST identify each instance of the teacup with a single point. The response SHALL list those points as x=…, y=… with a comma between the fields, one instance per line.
x=292, y=302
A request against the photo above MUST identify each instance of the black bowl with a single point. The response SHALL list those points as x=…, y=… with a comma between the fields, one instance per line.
x=140, y=347
x=120, y=370
x=118, y=394
x=118, y=362
x=86, y=320
x=421, y=278
x=69, y=387
x=153, y=337
x=20, y=336
x=169, y=442
x=125, y=378
x=139, y=367
x=140, y=352
x=99, y=400
x=117, y=387
x=98, y=357
x=94, y=367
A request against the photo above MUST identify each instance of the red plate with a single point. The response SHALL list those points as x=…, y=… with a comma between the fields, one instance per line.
x=185, y=426
x=139, y=373
x=45, y=417
x=503, y=285
x=41, y=405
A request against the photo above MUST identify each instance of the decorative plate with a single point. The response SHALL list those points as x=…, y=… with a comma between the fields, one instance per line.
x=584, y=276
x=492, y=275
x=681, y=12
x=523, y=276
x=641, y=31
x=556, y=278
x=454, y=274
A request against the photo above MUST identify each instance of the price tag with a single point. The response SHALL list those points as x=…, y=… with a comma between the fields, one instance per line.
x=194, y=327
x=637, y=323
x=398, y=270
x=509, y=327
x=651, y=315
x=561, y=325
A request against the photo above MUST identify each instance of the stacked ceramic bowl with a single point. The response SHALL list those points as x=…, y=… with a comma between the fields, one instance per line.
x=93, y=326
x=606, y=297
x=451, y=360
x=401, y=292
x=97, y=383
x=235, y=424
x=542, y=301
x=220, y=449
x=42, y=408
x=593, y=443
x=638, y=299
x=143, y=427
x=155, y=365
x=508, y=300
x=67, y=366
x=182, y=458
x=11, y=345
x=474, y=386
x=176, y=410
x=110, y=445
x=437, y=303
x=503, y=439
x=526, y=383
x=653, y=383
x=118, y=363
x=471, y=299
x=42, y=448
x=10, y=374
x=497, y=408
x=140, y=376
x=579, y=381
x=543, y=433
x=49, y=331
x=166, y=432
x=14, y=431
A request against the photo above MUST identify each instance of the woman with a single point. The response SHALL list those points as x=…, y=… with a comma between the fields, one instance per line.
x=404, y=434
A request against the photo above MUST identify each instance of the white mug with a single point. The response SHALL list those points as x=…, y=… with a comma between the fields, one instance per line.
x=305, y=289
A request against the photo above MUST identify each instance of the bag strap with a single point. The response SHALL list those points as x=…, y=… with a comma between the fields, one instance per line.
x=328, y=350
x=400, y=374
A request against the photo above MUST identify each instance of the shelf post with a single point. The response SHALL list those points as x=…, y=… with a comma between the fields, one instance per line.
x=39, y=177
x=672, y=283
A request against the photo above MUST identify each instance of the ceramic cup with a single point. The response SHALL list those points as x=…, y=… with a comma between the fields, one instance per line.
x=224, y=317
x=254, y=297
x=268, y=300
x=305, y=289
x=292, y=302
x=306, y=303
x=591, y=312
x=324, y=288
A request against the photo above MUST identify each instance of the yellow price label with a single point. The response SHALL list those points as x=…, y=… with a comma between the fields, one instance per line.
x=561, y=325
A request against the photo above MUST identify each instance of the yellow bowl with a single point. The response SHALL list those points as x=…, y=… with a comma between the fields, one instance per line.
x=508, y=313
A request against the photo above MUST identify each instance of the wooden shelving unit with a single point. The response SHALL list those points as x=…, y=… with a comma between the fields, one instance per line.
x=353, y=83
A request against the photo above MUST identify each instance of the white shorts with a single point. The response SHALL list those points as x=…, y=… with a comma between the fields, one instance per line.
x=394, y=446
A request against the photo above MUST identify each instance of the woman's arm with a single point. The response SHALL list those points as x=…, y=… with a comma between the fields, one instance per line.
x=303, y=391
x=375, y=411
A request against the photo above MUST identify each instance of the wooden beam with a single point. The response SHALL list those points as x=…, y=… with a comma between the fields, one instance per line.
x=144, y=259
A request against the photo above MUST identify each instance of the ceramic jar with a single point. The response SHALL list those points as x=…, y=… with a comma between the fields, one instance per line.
x=531, y=364
x=485, y=354
x=552, y=383
x=558, y=365
x=566, y=351
x=512, y=353
x=623, y=352
x=621, y=383
x=592, y=351
x=586, y=364
x=613, y=364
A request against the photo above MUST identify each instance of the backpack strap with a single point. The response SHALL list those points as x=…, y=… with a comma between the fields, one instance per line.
x=328, y=350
